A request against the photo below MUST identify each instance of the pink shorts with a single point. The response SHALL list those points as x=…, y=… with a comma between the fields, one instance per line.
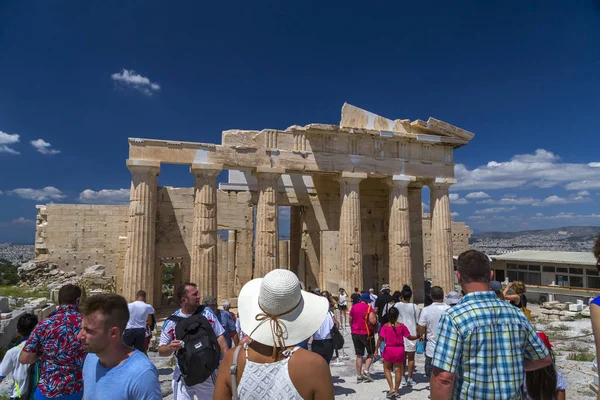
x=394, y=354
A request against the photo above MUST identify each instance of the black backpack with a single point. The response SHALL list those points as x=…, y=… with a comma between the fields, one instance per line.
x=201, y=353
x=337, y=338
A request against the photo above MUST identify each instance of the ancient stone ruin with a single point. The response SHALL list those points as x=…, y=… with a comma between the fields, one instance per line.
x=354, y=197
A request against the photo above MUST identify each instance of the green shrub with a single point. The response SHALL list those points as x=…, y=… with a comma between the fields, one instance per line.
x=584, y=355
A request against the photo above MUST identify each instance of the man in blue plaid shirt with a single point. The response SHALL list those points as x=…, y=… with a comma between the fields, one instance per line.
x=484, y=344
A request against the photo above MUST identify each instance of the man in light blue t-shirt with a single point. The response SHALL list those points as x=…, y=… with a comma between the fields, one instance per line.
x=111, y=369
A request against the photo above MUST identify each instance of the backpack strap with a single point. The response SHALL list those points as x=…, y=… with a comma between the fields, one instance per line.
x=233, y=372
x=175, y=318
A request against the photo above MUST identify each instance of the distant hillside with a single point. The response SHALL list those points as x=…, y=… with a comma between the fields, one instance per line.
x=568, y=238
x=570, y=232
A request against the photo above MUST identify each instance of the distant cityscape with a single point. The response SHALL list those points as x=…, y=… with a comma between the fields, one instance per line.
x=16, y=253
x=551, y=242
x=580, y=239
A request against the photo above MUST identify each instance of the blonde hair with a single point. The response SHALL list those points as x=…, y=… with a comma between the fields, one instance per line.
x=518, y=287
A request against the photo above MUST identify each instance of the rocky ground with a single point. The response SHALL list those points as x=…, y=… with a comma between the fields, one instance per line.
x=579, y=374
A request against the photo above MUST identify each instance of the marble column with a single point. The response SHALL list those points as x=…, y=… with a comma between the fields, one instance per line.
x=415, y=210
x=141, y=234
x=295, y=238
x=350, y=236
x=203, y=269
x=399, y=240
x=284, y=261
x=266, y=253
x=231, y=270
x=442, y=265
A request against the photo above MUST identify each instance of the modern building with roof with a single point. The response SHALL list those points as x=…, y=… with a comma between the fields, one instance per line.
x=565, y=274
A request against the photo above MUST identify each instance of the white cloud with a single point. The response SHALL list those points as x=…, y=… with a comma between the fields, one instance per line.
x=495, y=210
x=542, y=169
x=6, y=140
x=47, y=193
x=424, y=206
x=44, y=147
x=478, y=195
x=584, y=184
x=456, y=199
x=454, y=214
x=556, y=200
x=22, y=221
x=104, y=196
x=566, y=216
x=583, y=193
x=510, y=201
x=129, y=78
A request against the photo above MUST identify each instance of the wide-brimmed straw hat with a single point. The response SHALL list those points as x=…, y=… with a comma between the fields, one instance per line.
x=276, y=312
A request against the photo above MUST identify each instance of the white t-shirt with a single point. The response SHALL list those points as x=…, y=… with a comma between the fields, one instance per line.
x=324, y=331
x=409, y=313
x=430, y=318
x=343, y=299
x=373, y=300
x=138, y=313
x=10, y=364
x=167, y=334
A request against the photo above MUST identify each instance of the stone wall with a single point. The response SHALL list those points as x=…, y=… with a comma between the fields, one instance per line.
x=76, y=236
x=460, y=238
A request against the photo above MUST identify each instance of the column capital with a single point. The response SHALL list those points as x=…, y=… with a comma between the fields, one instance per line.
x=134, y=164
x=443, y=183
x=352, y=177
x=206, y=169
x=400, y=180
x=268, y=170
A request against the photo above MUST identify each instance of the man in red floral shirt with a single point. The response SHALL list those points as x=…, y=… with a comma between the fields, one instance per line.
x=54, y=342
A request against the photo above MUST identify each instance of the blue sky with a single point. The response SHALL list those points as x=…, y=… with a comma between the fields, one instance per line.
x=523, y=76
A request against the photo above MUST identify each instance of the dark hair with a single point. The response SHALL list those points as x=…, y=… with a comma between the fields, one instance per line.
x=182, y=290
x=474, y=266
x=356, y=289
x=26, y=323
x=69, y=294
x=396, y=296
x=112, y=307
x=596, y=251
x=393, y=315
x=406, y=292
x=141, y=293
x=541, y=383
x=436, y=293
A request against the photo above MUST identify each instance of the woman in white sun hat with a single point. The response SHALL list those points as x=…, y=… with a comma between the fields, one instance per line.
x=277, y=315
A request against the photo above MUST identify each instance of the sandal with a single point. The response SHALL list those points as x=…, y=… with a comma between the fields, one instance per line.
x=390, y=395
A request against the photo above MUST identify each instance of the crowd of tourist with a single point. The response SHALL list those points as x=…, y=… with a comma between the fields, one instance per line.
x=478, y=344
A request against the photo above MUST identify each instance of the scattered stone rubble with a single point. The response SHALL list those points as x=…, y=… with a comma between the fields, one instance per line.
x=11, y=309
x=557, y=311
x=44, y=275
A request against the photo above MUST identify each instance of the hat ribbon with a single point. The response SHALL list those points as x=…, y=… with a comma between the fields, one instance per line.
x=278, y=328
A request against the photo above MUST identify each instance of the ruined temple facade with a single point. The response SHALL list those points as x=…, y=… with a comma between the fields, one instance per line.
x=354, y=198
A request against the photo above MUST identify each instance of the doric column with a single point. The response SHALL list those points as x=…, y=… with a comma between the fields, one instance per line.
x=350, y=238
x=231, y=270
x=267, y=221
x=441, y=236
x=415, y=210
x=295, y=238
x=203, y=270
x=139, y=258
x=399, y=240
